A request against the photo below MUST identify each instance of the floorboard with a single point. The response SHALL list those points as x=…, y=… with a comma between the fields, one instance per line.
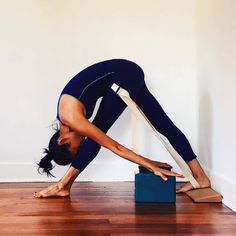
x=106, y=209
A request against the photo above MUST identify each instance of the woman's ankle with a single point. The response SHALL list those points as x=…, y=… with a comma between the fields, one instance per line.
x=198, y=173
x=68, y=179
x=196, y=169
x=63, y=186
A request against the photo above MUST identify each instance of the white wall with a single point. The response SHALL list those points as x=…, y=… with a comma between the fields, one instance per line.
x=216, y=61
x=46, y=42
x=188, y=67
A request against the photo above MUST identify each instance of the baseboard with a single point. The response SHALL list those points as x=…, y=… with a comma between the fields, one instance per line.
x=96, y=171
x=225, y=187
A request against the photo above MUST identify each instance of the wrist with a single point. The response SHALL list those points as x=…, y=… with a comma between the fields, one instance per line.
x=149, y=164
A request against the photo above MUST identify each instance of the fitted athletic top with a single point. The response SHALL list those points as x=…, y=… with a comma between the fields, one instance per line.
x=91, y=83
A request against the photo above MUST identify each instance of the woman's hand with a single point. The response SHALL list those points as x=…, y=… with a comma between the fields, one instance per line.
x=86, y=128
x=162, y=164
x=164, y=173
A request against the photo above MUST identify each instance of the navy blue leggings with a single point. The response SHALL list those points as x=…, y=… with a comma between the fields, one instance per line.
x=111, y=108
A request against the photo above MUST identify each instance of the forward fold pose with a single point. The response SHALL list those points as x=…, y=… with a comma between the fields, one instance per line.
x=77, y=141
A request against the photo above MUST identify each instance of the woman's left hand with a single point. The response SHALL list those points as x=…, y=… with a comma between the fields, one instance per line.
x=164, y=173
x=162, y=164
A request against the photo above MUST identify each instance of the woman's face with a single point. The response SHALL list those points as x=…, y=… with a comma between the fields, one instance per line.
x=72, y=138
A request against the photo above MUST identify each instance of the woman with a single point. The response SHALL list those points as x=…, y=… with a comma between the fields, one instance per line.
x=78, y=140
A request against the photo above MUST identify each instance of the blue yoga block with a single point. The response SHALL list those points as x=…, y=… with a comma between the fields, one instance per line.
x=152, y=188
x=145, y=170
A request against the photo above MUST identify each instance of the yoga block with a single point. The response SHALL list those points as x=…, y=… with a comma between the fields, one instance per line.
x=145, y=170
x=152, y=188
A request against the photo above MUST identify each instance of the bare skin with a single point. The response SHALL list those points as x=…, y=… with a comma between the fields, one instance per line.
x=63, y=187
x=75, y=127
x=198, y=174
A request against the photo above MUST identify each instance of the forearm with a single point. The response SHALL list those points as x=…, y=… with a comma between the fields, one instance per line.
x=88, y=129
x=133, y=157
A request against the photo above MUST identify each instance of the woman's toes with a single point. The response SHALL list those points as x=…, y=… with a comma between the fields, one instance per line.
x=37, y=195
x=186, y=187
x=204, y=183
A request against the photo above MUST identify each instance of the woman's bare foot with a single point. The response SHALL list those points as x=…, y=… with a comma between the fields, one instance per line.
x=54, y=190
x=198, y=174
x=203, y=182
x=62, y=188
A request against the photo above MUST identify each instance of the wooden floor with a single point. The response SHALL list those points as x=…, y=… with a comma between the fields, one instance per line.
x=106, y=209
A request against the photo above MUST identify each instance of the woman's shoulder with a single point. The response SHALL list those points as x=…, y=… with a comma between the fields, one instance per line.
x=70, y=106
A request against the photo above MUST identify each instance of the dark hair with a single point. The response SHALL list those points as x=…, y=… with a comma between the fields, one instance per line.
x=58, y=153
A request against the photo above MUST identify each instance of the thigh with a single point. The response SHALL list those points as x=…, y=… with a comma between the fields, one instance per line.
x=127, y=75
x=109, y=110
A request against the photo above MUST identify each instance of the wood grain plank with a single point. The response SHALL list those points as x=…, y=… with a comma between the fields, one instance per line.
x=106, y=209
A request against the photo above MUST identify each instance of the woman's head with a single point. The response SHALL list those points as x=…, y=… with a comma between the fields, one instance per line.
x=62, y=148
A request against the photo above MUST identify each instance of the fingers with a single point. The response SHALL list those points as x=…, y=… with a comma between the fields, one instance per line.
x=163, y=164
x=167, y=165
x=164, y=173
x=63, y=139
x=64, y=129
x=171, y=173
x=159, y=172
x=163, y=176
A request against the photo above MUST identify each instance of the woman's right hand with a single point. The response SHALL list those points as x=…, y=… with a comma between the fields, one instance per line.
x=164, y=173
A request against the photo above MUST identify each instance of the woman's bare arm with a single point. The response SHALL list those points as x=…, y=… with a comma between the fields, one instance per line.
x=81, y=125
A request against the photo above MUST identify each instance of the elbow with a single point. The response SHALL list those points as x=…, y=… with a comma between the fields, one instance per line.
x=65, y=119
x=74, y=124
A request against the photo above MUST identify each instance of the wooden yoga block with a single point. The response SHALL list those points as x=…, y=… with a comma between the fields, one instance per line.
x=152, y=188
x=204, y=195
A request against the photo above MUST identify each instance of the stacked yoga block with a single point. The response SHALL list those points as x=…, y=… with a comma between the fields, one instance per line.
x=152, y=188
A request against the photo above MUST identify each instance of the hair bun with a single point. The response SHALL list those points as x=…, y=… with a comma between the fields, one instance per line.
x=45, y=163
x=49, y=155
